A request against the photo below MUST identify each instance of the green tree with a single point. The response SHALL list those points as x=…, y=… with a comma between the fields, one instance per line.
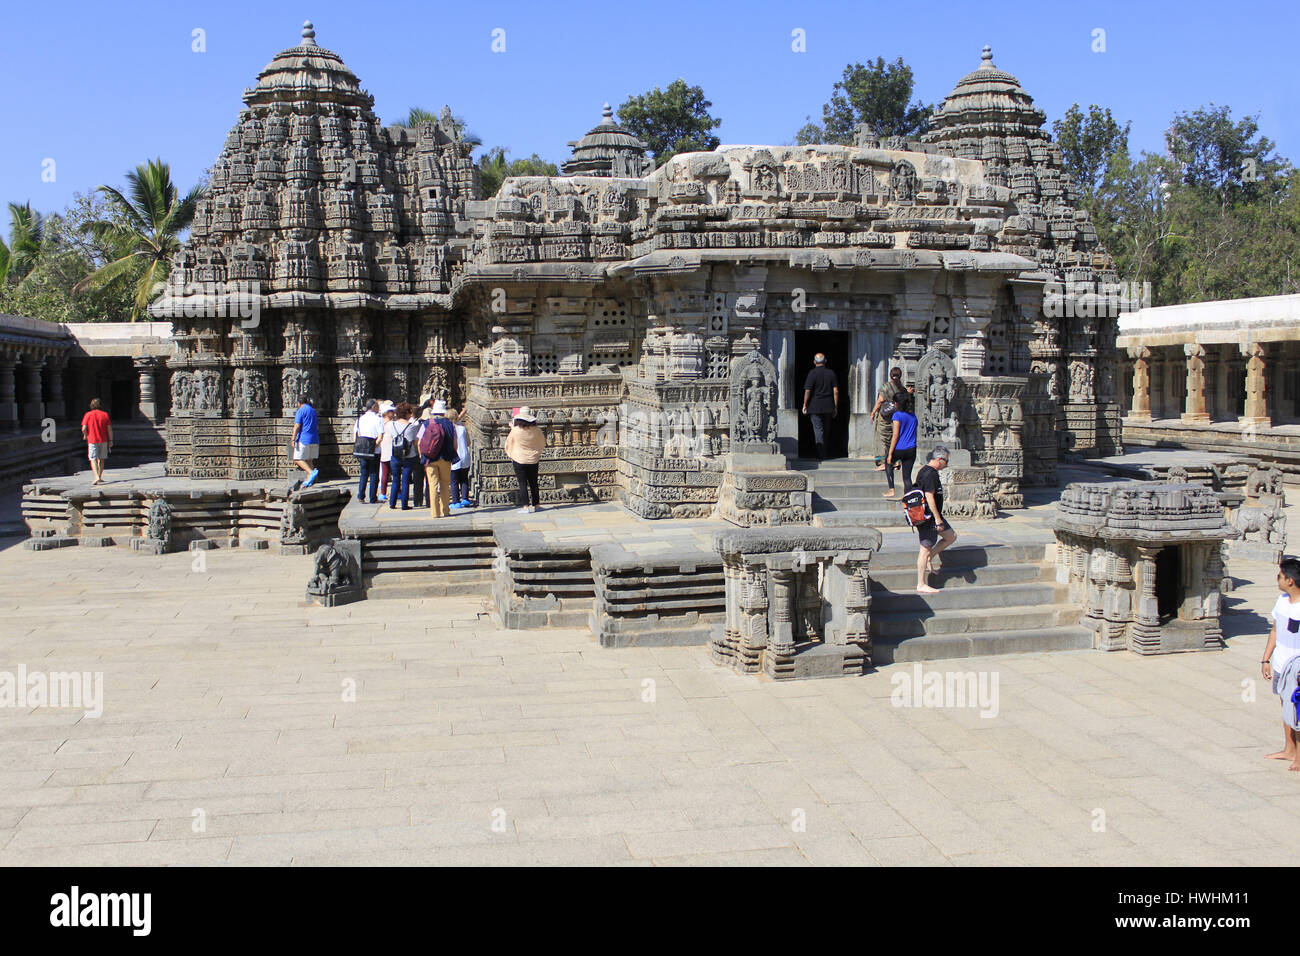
x=68, y=254
x=877, y=96
x=145, y=230
x=494, y=168
x=671, y=121
x=26, y=238
x=1192, y=226
x=1233, y=159
x=1090, y=145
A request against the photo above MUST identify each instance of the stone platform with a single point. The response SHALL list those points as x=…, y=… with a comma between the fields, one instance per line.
x=71, y=510
x=639, y=582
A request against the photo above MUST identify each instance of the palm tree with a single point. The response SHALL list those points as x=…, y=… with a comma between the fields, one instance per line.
x=148, y=233
x=417, y=115
x=492, y=168
x=26, y=235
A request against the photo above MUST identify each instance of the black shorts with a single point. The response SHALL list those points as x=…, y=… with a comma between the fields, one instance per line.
x=928, y=532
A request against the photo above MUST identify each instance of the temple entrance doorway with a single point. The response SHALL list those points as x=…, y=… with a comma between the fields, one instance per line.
x=1169, y=582
x=835, y=345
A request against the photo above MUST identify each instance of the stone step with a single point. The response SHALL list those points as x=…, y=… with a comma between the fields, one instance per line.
x=900, y=552
x=899, y=625
x=387, y=587
x=858, y=519
x=832, y=464
x=903, y=579
x=857, y=501
x=980, y=644
x=989, y=596
x=450, y=551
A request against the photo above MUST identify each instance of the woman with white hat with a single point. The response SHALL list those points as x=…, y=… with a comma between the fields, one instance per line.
x=438, y=451
x=388, y=412
x=524, y=447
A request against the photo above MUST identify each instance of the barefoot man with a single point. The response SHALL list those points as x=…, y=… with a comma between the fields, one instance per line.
x=1282, y=655
x=936, y=533
x=97, y=430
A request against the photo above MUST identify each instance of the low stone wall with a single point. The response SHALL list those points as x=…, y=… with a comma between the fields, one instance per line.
x=253, y=449
x=233, y=516
x=765, y=498
x=566, y=474
x=25, y=455
x=537, y=583
x=655, y=600
x=655, y=486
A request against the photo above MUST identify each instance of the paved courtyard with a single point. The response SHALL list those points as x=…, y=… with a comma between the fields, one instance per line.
x=240, y=726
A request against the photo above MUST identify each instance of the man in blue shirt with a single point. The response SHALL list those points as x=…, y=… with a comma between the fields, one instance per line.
x=306, y=440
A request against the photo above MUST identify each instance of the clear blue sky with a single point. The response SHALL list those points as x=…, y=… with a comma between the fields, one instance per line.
x=102, y=86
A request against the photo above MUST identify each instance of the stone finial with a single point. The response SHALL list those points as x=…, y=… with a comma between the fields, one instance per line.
x=607, y=116
x=986, y=58
x=309, y=34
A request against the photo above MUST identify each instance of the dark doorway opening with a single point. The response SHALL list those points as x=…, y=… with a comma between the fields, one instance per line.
x=835, y=345
x=1169, y=582
x=121, y=399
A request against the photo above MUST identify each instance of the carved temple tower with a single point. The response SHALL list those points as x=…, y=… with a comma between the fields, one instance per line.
x=628, y=305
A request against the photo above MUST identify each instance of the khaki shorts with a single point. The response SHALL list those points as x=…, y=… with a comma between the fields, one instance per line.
x=303, y=452
x=98, y=451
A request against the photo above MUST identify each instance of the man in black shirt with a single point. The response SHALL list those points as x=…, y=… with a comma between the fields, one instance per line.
x=821, y=400
x=935, y=533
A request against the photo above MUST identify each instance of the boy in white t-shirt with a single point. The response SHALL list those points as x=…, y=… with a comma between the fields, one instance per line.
x=1284, y=645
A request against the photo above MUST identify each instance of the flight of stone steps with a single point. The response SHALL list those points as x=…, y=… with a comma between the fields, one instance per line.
x=849, y=491
x=994, y=599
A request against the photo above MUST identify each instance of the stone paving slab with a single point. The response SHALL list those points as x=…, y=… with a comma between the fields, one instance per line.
x=416, y=732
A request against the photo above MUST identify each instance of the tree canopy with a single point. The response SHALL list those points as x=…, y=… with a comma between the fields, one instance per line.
x=68, y=253
x=1215, y=216
x=877, y=96
x=671, y=121
x=494, y=168
x=145, y=231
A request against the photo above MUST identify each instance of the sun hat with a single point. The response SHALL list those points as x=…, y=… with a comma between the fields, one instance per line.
x=387, y=407
x=525, y=414
x=440, y=407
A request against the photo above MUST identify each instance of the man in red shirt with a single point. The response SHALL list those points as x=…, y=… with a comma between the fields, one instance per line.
x=97, y=430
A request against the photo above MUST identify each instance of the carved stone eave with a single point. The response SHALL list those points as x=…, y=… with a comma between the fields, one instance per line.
x=1141, y=536
x=207, y=306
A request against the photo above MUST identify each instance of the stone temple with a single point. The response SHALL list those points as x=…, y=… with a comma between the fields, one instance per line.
x=660, y=321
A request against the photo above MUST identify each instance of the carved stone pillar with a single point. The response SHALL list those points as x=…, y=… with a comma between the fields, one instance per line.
x=1256, y=412
x=753, y=618
x=1145, y=630
x=8, y=400
x=32, y=409
x=146, y=367
x=1141, y=410
x=781, y=637
x=55, y=405
x=974, y=314
x=913, y=312
x=1194, y=409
